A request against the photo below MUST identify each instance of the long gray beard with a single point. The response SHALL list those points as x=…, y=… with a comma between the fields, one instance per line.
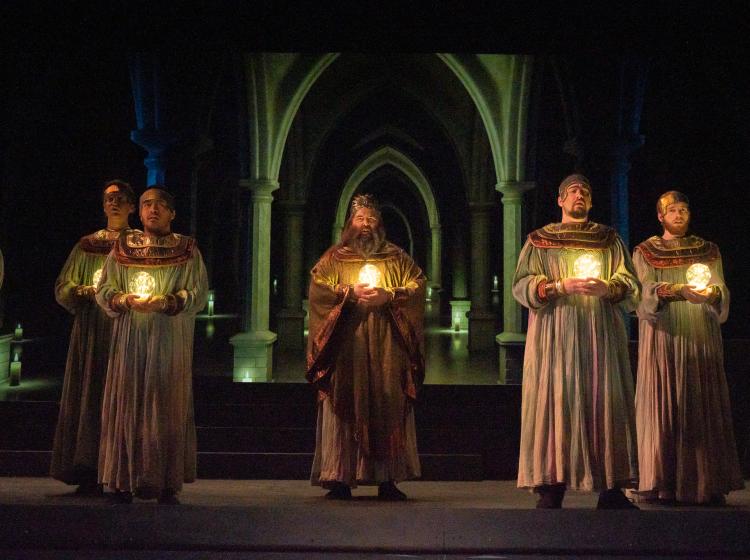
x=366, y=246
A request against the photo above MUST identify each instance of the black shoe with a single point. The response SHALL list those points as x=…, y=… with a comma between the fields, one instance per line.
x=89, y=489
x=614, y=499
x=168, y=497
x=550, y=496
x=387, y=491
x=339, y=491
x=122, y=497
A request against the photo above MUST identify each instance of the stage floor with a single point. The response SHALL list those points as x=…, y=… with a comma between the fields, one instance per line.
x=290, y=519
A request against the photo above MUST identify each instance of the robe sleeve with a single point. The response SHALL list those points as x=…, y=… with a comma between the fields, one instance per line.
x=624, y=274
x=721, y=307
x=529, y=273
x=651, y=305
x=195, y=292
x=70, y=277
x=327, y=298
x=109, y=285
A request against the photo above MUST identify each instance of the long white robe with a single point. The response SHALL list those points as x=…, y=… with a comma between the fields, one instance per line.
x=148, y=428
x=577, y=418
x=75, y=449
x=686, y=445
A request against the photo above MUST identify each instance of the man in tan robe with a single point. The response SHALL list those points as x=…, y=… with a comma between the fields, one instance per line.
x=365, y=356
x=153, y=285
x=686, y=447
x=75, y=450
x=577, y=418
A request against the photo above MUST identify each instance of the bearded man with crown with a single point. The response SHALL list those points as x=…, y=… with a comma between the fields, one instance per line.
x=686, y=446
x=75, y=449
x=365, y=357
x=577, y=415
x=154, y=282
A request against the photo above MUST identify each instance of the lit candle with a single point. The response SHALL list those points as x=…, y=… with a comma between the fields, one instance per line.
x=96, y=277
x=142, y=284
x=210, y=302
x=370, y=274
x=15, y=372
x=698, y=275
x=587, y=266
x=18, y=333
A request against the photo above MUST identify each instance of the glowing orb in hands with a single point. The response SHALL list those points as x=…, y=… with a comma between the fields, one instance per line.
x=370, y=274
x=142, y=285
x=96, y=277
x=698, y=275
x=587, y=266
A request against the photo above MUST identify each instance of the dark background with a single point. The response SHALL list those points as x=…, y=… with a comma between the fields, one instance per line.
x=69, y=113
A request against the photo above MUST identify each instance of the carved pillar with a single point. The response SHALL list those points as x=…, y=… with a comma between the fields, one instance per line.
x=253, y=348
x=291, y=317
x=481, y=318
x=512, y=339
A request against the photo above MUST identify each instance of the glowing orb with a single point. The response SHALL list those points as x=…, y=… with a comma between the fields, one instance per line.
x=96, y=277
x=698, y=275
x=142, y=284
x=587, y=266
x=370, y=274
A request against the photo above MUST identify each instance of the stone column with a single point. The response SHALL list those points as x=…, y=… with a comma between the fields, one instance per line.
x=435, y=279
x=156, y=143
x=253, y=349
x=512, y=339
x=481, y=318
x=291, y=317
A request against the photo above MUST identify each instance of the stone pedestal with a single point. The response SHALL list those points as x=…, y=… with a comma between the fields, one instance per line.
x=459, y=310
x=5, y=356
x=290, y=325
x=253, y=356
x=511, y=349
x=481, y=330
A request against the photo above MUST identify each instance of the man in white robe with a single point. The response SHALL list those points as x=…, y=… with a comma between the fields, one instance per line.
x=153, y=285
x=686, y=447
x=577, y=419
x=75, y=450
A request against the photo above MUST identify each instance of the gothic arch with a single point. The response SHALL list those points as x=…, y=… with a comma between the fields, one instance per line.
x=388, y=155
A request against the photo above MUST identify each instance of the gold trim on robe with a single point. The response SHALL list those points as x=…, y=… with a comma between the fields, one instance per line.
x=670, y=253
x=135, y=248
x=100, y=242
x=575, y=235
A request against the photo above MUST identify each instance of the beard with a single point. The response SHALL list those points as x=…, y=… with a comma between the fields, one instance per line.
x=364, y=243
x=578, y=212
x=676, y=230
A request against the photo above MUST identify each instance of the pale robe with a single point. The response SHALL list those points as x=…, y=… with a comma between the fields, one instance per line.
x=75, y=449
x=686, y=444
x=148, y=440
x=577, y=416
x=367, y=364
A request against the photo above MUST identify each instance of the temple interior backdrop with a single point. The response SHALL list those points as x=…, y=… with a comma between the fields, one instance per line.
x=265, y=150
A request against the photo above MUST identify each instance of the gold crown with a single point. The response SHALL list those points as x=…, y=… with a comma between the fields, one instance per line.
x=364, y=201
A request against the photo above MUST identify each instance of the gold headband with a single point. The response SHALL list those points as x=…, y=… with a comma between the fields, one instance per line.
x=670, y=197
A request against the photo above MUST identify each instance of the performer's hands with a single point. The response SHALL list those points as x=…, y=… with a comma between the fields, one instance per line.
x=85, y=292
x=692, y=295
x=150, y=304
x=371, y=297
x=595, y=287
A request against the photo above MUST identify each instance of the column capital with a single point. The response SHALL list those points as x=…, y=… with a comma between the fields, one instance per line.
x=481, y=207
x=513, y=190
x=153, y=141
